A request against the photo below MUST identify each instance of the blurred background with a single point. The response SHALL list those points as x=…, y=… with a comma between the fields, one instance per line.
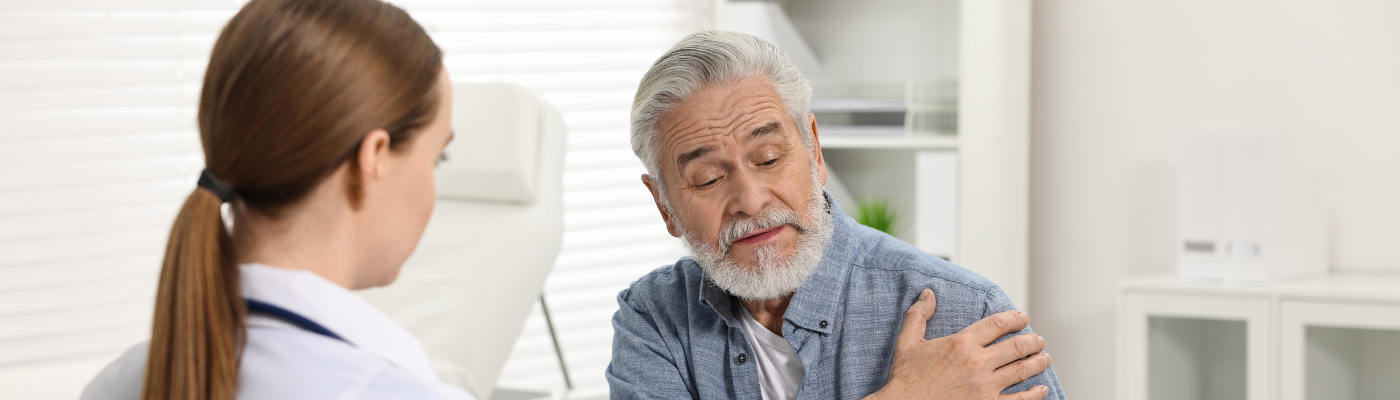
x=1037, y=143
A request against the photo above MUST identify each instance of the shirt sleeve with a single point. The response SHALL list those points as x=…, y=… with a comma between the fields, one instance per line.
x=998, y=302
x=642, y=366
x=390, y=384
x=123, y=379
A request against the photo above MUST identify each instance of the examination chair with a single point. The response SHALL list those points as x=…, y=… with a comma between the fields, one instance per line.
x=493, y=237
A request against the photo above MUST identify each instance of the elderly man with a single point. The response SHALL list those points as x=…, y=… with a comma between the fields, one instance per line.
x=785, y=296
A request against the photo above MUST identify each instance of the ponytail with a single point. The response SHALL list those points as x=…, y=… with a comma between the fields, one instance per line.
x=198, y=325
x=291, y=88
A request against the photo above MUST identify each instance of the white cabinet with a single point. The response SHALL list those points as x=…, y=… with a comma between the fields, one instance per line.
x=1181, y=344
x=1343, y=344
x=1335, y=337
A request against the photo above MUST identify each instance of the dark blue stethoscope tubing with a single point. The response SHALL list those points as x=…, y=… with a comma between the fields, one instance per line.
x=258, y=307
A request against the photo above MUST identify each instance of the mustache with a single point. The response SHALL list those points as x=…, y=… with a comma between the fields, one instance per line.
x=736, y=229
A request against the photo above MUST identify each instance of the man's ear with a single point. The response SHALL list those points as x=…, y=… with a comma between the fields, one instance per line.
x=817, y=148
x=369, y=166
x=656, y=197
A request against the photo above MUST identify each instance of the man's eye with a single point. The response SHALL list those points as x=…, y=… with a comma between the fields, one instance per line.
x=709, y=182
x=441, y=159
x=769, y=162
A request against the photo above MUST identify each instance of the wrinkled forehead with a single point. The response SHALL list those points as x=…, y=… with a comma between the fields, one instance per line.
x=720, y=115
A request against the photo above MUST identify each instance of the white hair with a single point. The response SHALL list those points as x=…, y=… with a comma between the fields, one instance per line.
x=705, y=59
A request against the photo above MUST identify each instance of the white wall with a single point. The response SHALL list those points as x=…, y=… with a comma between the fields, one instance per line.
x=1115, y=84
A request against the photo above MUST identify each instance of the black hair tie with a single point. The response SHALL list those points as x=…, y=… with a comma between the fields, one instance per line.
x=220, y=188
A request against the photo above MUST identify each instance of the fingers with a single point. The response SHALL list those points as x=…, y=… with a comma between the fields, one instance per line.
x=916, y=319
x=1022, y=370
x=1036, y=393
x=987, y=330
x=1016, y=348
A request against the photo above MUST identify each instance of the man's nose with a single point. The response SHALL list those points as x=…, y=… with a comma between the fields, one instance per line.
x=750, y=196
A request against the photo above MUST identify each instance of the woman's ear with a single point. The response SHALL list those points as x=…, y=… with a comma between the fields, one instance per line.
x=367, y=166
x=374, y=149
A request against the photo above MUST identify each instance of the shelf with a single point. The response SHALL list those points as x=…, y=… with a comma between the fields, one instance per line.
x=862, y=131
x=1353, y=286
x=874, y=106
x=1197, y=358
x=856, y=105
x=940, y=142
x=1348, y=363
x=1180, y=340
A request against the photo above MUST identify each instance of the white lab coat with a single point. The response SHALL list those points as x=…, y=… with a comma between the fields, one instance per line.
x=282, y=361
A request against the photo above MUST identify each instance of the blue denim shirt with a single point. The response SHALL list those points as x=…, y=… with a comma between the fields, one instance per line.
x=678, y=336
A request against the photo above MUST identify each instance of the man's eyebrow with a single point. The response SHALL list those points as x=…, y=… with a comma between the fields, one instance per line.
x=771, y=127
x=689, y=156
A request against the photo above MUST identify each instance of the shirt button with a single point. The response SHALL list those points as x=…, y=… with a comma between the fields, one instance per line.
x=823, y=324
x=742, y=358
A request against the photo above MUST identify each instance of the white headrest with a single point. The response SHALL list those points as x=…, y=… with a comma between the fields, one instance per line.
x=495, y=156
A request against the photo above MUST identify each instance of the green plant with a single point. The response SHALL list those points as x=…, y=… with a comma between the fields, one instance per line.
x=877, y=214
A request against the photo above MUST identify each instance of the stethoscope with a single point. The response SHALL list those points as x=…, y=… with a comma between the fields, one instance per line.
x=268, y=310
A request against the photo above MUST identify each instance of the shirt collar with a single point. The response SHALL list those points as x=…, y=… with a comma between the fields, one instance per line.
x=816, y=300
x=814, y=305
x=339, y=310
x=721, y=301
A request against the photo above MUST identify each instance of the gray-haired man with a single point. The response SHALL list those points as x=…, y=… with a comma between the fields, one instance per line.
x=785, y=296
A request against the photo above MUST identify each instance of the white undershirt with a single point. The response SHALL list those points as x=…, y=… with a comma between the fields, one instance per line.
x=779, y=370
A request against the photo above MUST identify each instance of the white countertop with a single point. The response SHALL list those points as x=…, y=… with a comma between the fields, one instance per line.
x=1334, y=287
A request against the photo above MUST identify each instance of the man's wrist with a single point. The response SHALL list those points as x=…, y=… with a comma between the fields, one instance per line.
x=885, y=393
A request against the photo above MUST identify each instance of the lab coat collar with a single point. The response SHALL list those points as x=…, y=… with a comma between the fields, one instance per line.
x=340, y=311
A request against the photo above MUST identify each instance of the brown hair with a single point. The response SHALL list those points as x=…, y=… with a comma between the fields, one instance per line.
x=292, y=88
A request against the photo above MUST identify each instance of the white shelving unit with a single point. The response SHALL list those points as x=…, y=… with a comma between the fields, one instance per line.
x=933, y=113
x=958, y=75
x=918, y=178
x=1332, y=337
x=947, y=143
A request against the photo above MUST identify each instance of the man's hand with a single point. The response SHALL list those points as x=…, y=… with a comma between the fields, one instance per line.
x=962, y=366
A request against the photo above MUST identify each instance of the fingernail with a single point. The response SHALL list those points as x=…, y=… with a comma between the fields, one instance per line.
x=924, y=296
x=1042, y=340
x=1047, y=357
x=1043, y=389
x=1025, y=317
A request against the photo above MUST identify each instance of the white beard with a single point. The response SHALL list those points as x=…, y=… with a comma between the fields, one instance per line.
x=775, y=276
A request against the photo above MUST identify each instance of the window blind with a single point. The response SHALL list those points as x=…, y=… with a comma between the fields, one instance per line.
x=585, y=58
x=98, y=100
x=98, y=150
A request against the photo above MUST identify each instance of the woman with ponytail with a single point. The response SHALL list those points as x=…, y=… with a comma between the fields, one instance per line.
x=321, y=122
